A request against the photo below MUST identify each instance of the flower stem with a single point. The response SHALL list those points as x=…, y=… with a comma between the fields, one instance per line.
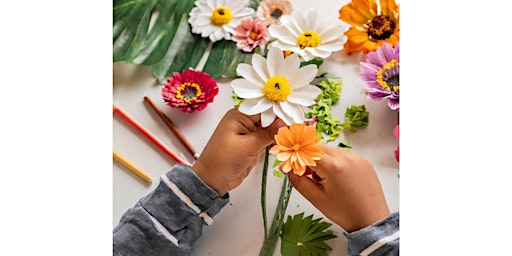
x=263, y=192
x=269, y=244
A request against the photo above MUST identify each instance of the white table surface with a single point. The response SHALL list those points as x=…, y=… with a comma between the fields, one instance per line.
x=238, y=228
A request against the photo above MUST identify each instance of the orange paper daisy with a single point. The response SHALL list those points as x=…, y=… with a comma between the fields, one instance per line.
x=297, y=148
x=370, y=28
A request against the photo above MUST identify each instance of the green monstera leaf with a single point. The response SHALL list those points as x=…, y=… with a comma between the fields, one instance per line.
x=156, y=33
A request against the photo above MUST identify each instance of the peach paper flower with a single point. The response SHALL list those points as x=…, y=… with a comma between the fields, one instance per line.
x=249, y=34
x=297, y=148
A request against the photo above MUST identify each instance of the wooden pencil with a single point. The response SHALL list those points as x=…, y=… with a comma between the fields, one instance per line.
x=174, y=129
x=142, y=174
x=151, y=137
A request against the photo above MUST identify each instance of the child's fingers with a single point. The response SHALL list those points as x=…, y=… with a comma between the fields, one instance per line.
x=308, y=188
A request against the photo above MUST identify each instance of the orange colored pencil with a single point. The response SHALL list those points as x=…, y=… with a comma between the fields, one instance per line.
x=151, y=137
x=174, y=129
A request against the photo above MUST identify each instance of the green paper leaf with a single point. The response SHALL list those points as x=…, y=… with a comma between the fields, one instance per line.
x=305, y=236
x=157, y=33
x=356, y=117
x=326, y=124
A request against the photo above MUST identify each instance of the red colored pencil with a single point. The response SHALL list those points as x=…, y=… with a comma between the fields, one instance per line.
x=174, y=129
x=151, y=137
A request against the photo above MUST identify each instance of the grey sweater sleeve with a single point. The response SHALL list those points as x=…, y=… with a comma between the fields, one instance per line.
x=170, y=219
x=381, y=238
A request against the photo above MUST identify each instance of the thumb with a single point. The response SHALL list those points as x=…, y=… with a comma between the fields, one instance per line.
x=265, y=136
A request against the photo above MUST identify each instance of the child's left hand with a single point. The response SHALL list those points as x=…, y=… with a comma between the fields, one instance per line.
x=233, y=150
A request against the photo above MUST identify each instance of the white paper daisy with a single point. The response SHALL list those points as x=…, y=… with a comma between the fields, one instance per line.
x=217, y=19
x=311, y=34
x=276, y=86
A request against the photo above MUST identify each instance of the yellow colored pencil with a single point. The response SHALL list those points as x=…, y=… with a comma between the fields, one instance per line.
x=142, y=174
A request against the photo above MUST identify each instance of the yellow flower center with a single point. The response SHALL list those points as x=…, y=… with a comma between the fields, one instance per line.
x=253, y=35
x=188, y=92
x=381, y=27
x=296, y=147
x=308, y=39
x=221, y=16
x=392, y=82
x=277, y=88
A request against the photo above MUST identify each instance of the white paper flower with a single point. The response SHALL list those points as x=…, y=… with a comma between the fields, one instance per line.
x=276, y=86
x=310, y=34
x=217, y=19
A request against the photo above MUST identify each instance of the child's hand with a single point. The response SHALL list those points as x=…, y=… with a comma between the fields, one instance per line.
x=349, y=193
x=233, y=150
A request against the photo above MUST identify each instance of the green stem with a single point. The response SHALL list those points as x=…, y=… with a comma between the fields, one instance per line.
x=263, y=192
x=269, y=244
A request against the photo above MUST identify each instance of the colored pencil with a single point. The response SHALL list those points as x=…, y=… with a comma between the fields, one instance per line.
x=142, y=174
x=151, y=137
x=174, y=129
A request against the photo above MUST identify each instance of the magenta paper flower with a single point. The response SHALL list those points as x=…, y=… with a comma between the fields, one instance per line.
x=190, y=91
x=381, y=73
x=249, y=34
x=396, y=132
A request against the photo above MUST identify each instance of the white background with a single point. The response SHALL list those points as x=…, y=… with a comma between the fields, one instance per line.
x=238, y=228
x=56, y=132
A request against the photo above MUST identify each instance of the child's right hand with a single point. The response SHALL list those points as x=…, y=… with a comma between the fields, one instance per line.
x=349, y=193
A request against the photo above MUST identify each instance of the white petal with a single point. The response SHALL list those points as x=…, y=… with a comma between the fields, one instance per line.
x=283, y=34
x=245, y=89
x=290, y=22
x=267, y=117
x=306, y=55
x=248, y=72
x=275, y=59
x=254, y=106
x=202, y=20
x=211, y=4
x=260, y=66
x=293, y=110
x=244, y=13
x=317, y=52
x=305, y=95
x=281, y=114
x=332, y=47
x=285, y=47
x=290, y=66
x=332, y=34
x=310, y=18
x=305, y=75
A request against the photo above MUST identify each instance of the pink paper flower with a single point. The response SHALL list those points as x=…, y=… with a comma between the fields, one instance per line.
x=249, y=34
x=270, y=11
x=396, y=132
x=190, y=91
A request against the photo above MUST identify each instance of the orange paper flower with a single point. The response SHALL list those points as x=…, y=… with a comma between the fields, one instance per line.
x=297, y=148
x=370, y=29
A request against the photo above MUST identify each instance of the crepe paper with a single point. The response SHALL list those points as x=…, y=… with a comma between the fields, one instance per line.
x=283, y=94
x=379, y=25
x=168, y=45
x=356, y=117
x=174, y=129
x=151, y=137
x=381, y=73
x=269, y=244
x=297, y=147
x=142, y=174
x=326, y=124
x=264, y=191
x=305, y=236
